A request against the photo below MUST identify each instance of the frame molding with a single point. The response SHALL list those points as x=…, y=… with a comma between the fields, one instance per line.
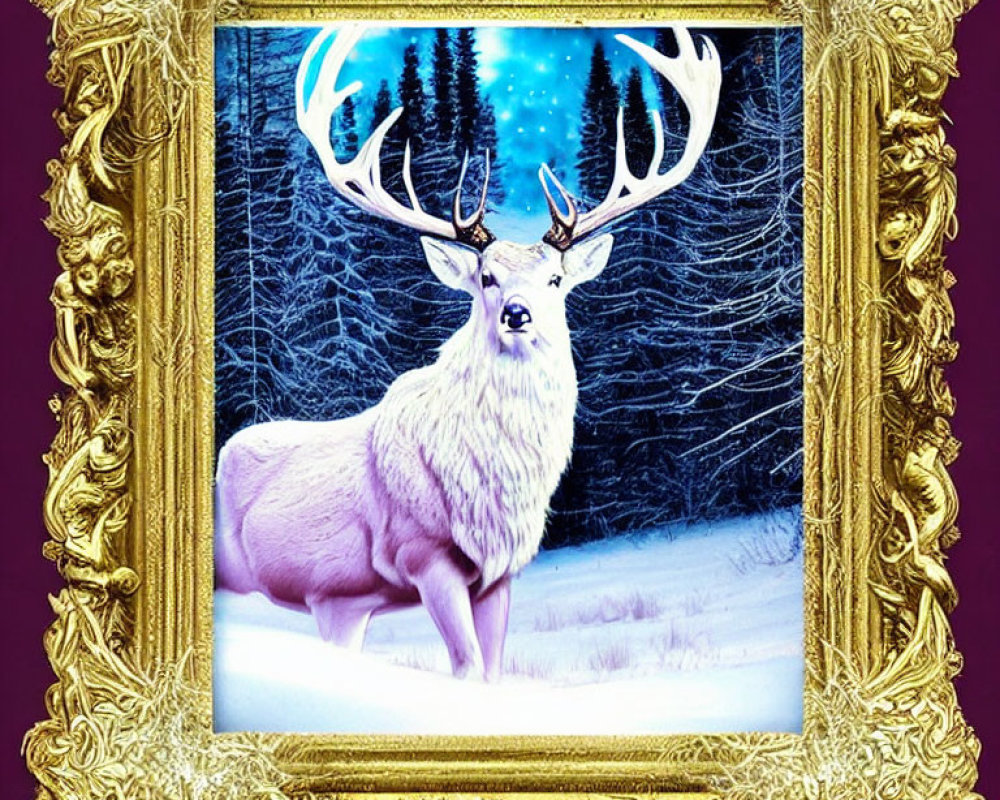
x=130, y=468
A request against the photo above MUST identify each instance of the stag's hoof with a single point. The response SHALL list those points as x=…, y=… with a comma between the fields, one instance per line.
x=469, y=671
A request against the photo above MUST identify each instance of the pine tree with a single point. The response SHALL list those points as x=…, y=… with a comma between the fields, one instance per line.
x=467, y=92
x=596, y=158
x=638, y=126
x=392, y=147
x=437, y=169
x=486, y=141
x=234, y=306
x=443, y=87
x=382, y=106
x=348, y=129
x=475, y=120
x=486, y=128
x=411, y=96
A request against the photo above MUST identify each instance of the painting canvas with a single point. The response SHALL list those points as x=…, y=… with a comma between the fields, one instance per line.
x=530, y=462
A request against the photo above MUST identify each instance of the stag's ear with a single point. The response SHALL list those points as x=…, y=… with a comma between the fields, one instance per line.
x=584, y=261
x=454, y=264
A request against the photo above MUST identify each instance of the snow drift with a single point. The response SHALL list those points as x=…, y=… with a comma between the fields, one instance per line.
x=696, y=629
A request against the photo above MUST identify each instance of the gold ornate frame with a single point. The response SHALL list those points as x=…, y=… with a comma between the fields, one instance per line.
x=130, y=469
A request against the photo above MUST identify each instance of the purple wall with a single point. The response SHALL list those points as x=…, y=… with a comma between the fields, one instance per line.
x=973, y=103
x=28, y=138
x=25, y=321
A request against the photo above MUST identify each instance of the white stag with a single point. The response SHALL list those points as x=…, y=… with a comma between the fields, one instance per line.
x=439, y=493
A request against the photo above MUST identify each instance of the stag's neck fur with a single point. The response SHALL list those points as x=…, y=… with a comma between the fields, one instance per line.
x=515, y=435
x=496, y=432
x=539, y=377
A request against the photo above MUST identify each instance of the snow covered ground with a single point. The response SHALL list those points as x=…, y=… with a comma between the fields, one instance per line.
x=695, y=629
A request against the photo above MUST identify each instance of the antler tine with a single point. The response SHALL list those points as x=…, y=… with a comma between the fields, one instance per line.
x=657, y=157
x=314, y=114
x=560, y=235
x=697, y=79
x=408, y=180
x=470, y=230
x=360, y=180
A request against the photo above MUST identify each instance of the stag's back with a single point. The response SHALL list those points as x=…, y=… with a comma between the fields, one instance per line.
x=292, y=504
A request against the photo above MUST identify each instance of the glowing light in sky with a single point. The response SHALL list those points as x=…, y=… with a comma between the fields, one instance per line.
x=517, y=67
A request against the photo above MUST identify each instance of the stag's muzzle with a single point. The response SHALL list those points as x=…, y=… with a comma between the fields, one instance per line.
x=515, y=315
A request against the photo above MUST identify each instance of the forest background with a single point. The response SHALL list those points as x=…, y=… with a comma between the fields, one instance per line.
x=689, y=346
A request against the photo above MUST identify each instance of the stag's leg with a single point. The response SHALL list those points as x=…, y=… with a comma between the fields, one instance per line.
x=342, y=620
x=489, y=612
x=442, y=579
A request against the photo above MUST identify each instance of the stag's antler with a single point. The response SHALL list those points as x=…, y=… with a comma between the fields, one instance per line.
x=697, y=80
x=360, y=181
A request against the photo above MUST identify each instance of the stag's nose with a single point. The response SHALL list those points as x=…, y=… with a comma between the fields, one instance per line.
x=515, y=315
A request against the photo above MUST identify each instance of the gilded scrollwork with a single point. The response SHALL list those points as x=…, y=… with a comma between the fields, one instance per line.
x=910, y=687
x=123, y=724
x=896, y=735
x=124, y=732
x=99, y=690
x=917, y=205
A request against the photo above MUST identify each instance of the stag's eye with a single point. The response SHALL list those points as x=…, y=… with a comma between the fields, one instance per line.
x=555, y=280
x=488, y=280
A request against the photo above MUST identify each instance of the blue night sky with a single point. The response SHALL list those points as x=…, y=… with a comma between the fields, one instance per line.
x=535, y=78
